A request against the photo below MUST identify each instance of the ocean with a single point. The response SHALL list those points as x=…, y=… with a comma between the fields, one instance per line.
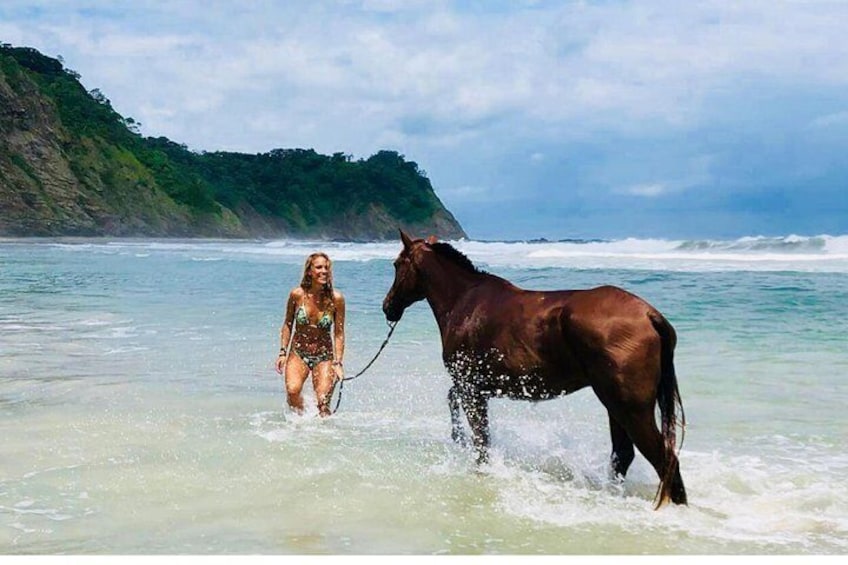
x=140, y=412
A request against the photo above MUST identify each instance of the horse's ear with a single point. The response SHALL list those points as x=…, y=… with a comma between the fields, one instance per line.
x=407, y=241
x=432, y=239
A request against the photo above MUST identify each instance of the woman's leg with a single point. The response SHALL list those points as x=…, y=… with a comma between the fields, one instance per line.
x=323, y=381
x=296, y=373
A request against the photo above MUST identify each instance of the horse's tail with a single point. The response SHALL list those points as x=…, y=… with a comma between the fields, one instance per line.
x=668, y=400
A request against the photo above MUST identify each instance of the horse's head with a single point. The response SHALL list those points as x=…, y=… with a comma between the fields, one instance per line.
x=407, y=288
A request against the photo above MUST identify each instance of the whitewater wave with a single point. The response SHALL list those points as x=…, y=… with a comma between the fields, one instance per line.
x=780, y=244
x=788, y=244
x=819, y=253
x=823, y=253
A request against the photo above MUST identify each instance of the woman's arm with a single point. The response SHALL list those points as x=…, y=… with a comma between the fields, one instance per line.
x=339, y=327
x=286, y=330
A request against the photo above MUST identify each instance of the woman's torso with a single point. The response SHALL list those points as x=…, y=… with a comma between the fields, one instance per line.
x=313, y=321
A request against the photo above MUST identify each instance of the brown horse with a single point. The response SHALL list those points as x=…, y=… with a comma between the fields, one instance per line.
x=499, y=340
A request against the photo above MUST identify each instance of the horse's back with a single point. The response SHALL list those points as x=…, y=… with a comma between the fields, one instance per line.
x=608, y=306
x=507, y=310
x=586, y=323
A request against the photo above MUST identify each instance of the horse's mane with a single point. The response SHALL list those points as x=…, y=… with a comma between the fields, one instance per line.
x=449, y=252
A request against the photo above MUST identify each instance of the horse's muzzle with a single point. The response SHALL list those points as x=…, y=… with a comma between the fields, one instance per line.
x=392, y=311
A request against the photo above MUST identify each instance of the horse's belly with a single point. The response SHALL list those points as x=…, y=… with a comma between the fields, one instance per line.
x=527, y=387
x=530, y=394
x=496, y=376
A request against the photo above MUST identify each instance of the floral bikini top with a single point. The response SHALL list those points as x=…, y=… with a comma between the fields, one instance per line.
x=324, y=322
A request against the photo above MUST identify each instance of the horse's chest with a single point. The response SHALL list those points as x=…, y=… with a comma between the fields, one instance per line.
x=467, y=330
x=478, y=330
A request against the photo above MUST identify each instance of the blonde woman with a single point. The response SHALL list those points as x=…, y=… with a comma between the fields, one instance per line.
x=312, y=337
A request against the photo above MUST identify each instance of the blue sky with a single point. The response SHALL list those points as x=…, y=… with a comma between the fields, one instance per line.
x=532, y=119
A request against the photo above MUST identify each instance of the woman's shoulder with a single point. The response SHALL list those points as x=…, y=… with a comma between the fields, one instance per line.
x=296, y=293
x=337, y=295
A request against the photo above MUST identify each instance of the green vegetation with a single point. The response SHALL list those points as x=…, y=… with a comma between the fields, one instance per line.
x=296, y=190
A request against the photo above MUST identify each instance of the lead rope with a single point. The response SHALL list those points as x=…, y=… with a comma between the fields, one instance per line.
x=359, y=374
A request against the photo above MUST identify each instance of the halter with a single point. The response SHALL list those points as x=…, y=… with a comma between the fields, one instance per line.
x=359, y=374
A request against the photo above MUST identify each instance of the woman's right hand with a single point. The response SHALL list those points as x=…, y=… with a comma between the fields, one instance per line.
x=281, y=362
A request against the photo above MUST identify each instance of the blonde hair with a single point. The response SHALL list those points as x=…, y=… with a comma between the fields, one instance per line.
x=306, y=280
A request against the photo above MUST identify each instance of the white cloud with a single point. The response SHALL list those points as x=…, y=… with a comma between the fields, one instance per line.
x=470, y=194
x=651, y=190
x=837, y=119
x=555, y=69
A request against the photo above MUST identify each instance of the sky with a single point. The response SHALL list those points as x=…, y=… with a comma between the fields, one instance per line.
x=532, y=119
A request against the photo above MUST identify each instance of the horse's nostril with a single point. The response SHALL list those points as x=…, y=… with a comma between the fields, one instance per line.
x=392, y=314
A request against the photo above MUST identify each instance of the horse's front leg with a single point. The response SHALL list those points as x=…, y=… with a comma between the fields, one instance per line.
x=457, y=433
x=477, y=411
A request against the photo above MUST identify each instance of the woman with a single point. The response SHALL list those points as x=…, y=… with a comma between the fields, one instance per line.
x=314, y=329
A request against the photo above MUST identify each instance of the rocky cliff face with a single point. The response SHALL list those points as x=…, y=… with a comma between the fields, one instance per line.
x=50, y=185
x=55, y=181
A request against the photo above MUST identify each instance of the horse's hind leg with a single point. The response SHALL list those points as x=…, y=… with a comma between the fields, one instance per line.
x=622, y=450
x=457, y=433
x=642, y=429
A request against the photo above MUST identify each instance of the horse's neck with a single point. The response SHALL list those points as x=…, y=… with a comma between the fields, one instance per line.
x=446, y=283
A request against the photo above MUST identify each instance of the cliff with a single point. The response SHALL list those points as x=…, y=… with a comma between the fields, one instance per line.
x=72, y=166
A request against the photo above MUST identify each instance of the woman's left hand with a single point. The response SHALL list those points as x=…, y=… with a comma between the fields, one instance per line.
x=339, y=370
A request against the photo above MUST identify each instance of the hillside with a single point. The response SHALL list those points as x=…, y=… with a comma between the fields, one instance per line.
x=72, y=166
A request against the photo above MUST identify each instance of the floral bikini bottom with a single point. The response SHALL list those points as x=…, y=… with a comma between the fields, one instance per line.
x=312, y=360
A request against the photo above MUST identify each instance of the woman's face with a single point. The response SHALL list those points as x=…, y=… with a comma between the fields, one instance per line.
x=320, y=270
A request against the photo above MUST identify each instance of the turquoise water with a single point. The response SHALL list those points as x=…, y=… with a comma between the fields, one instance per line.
x=140, y=413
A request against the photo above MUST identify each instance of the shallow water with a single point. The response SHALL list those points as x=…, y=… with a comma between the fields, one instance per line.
x=140, y=413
